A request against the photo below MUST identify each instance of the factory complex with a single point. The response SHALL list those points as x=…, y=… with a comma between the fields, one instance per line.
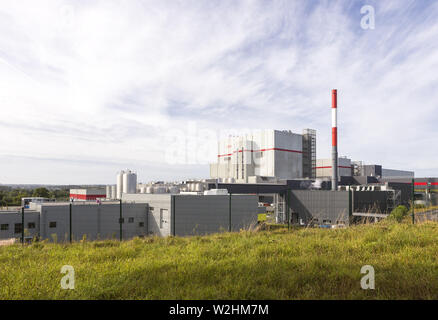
x=274, y=172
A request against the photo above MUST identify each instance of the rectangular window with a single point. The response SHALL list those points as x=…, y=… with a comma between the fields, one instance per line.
x=130, y=220
x=52, y=224
x=141, y=224
x=4, y=227
x=18, y=228
x=31, y=225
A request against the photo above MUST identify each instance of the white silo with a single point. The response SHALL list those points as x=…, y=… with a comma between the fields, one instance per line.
x=108, y=192
x=113, y=192
x=129, y=182
x=119, y=185
x=149, y=189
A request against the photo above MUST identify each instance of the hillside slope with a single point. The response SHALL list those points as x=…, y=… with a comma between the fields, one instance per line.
x=300, y=264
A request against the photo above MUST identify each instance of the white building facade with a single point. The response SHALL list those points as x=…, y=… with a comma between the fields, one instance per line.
x=266, y=153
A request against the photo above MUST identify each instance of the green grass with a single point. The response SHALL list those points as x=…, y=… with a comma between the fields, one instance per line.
x=276, y=264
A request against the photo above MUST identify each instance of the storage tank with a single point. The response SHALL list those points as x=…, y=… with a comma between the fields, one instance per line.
x=129, y=182
x=143, y=189
x=149, y=189
x=198, y=187
x=108, y=192
x=113, y=192
x=119, y=185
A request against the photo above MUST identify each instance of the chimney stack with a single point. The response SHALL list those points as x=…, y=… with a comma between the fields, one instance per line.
x=334, y=140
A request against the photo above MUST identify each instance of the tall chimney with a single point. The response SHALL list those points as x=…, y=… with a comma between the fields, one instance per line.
x=334, y=140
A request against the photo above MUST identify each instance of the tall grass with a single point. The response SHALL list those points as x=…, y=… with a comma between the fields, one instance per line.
x=267, y=264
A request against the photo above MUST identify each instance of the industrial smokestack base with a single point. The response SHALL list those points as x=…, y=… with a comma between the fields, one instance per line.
x=334, y=140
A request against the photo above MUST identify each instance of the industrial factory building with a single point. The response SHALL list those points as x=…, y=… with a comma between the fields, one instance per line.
x=266, y=153
x=137, y=215
x=87, y=194
x=267, y=167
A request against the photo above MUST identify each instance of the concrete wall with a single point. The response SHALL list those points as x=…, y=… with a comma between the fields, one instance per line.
x=320, y=206
x=158, y=222
x=9, y=219
x=288, y=164
x=324, y=168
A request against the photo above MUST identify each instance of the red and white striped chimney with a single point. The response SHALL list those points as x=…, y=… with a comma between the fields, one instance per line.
x=334, y=140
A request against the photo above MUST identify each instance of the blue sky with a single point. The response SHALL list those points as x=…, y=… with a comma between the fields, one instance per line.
x=91, y=87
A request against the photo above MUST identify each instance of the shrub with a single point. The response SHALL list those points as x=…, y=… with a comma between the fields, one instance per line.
x=399, y=213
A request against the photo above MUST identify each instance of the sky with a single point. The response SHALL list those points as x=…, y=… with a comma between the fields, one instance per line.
x=88, y=88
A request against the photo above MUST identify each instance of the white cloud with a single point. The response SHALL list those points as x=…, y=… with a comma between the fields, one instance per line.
x=103, y=81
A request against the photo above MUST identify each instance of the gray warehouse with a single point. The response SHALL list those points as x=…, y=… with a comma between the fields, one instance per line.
x=142, y=215
x=183, y=215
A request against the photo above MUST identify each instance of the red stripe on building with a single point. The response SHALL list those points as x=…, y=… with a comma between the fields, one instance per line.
x=261, y=150
x=87, y=196
x=329, y=167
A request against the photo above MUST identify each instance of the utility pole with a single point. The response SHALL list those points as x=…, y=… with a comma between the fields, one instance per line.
x=121, y=221
x=22, y=225
x=70, y=223
x=413, y=201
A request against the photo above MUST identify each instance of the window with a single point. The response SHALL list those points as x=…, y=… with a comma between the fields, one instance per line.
x=52, y=224
x=4, y=227
x=18, y=228
x=31, y=225
x=130, y=220
x=141, y=224
x=151, y=208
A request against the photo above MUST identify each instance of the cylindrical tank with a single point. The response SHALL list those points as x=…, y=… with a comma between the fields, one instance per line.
x=113, y=192
x=129, y=182
x=198, y=187
x=149, y=189
x=108, y=192
x=143, y=189
x=119, y=184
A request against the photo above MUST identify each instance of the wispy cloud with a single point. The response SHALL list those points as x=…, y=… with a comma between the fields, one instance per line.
x=107, y=80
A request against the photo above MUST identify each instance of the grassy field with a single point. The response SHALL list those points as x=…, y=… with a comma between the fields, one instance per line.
x=276, y=264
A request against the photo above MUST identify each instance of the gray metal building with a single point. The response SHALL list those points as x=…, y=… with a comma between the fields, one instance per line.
x=142, y=215
x=183, y=215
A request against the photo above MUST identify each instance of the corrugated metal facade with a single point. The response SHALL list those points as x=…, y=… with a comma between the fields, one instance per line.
x=184, y=215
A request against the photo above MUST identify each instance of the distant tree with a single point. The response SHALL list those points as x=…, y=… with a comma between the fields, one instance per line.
x=41, y=192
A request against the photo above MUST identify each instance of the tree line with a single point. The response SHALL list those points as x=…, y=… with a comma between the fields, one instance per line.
x=12, y=196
